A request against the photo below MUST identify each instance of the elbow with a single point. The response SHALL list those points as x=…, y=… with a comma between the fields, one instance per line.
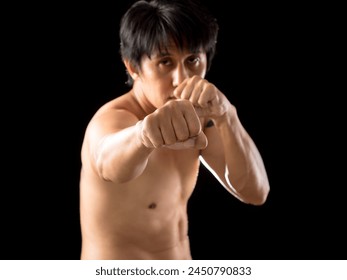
x=254, y=193
x=251, y=188
x=110, y=171
x=110, y=175
x=260, y=199
x=117, y=174
x=261, y=195
x=102, y=172
x=113, y=177
x=261, y=188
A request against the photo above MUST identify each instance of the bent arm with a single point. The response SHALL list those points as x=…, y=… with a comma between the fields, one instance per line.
x=114, y=147
x=235, y=160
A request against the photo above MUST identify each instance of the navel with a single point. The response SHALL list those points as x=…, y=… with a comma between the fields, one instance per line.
x=152, y=205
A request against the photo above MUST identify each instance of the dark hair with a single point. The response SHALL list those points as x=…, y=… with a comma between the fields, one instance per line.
x=149, y=25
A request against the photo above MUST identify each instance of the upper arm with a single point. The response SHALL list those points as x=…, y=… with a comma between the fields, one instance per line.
x=103, y=124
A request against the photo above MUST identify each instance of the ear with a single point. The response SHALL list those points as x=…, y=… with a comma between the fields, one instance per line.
x=133, y=72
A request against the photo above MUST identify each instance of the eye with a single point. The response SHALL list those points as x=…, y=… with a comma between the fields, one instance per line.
x=194, y=60
x=165, y=62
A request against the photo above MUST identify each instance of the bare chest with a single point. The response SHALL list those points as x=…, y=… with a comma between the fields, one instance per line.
x=170, y=176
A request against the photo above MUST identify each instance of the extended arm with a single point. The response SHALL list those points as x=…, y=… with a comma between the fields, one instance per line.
x=113, y=147
x=119, y=144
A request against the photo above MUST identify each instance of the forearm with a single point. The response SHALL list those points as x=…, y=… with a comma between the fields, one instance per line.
x=121, y=156
x=245, y=170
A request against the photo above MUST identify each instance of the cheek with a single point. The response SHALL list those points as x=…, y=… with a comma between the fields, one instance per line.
x=202, y=70
x=160, y=84
x=201, y=73
x=154, y=92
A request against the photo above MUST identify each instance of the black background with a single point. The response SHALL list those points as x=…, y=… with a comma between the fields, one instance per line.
x=63, y=64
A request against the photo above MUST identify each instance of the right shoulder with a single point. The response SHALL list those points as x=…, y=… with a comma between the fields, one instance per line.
x=109, y=119
x=112, y=117
x=123, y=104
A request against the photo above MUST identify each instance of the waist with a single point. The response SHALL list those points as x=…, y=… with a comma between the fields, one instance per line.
x=118, y=249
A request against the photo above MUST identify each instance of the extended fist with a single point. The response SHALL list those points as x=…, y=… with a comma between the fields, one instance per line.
x=176, y=125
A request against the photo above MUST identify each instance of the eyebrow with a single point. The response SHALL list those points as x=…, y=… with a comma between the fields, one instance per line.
x=167, y=53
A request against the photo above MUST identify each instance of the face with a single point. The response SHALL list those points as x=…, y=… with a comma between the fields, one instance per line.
x=161, y=73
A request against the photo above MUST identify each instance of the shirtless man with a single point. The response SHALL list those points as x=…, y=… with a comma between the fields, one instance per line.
x=142, y=150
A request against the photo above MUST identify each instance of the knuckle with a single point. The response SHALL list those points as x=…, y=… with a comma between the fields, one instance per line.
x=182, y=134
x=195, y=128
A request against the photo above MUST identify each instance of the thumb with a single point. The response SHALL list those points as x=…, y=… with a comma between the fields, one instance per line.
x=197, y=142
x=201, y=141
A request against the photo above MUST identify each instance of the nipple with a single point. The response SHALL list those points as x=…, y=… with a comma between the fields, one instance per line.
x=152, y=205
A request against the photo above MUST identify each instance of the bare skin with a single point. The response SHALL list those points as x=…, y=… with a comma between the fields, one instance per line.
x=141, y=156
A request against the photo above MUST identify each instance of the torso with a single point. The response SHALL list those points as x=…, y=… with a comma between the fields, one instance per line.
x=145, y=218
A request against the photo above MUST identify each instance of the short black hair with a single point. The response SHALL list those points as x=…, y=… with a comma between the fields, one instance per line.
x=149, y=25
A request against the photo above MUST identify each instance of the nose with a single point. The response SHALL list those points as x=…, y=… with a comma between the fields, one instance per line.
x=179, y=74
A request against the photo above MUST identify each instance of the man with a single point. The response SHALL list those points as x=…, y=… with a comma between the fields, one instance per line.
x=142, y=150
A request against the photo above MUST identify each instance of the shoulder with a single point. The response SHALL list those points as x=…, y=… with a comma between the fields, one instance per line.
x=115, y=115
x=125, y=104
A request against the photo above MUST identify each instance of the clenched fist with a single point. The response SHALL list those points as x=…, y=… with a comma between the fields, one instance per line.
x=176, y=125
x=206, y=98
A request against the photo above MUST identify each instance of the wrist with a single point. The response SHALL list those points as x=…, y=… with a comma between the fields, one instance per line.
x=227, y=117
x=140, y=139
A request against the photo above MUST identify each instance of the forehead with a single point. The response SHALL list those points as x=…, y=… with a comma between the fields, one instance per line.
x=170, y=45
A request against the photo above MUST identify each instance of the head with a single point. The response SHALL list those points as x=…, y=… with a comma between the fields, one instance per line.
x=152, y=26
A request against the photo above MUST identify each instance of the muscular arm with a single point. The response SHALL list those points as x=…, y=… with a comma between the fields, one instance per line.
x=118, y=144
x=231, y=154
x=114, y=148
x=235, y=159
